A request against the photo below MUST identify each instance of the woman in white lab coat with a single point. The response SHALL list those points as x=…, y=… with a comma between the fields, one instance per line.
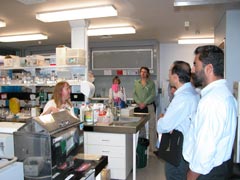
x=60, y=99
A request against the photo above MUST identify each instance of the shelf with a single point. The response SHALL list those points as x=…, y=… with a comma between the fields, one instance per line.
x=43, y=67
x=71, y=82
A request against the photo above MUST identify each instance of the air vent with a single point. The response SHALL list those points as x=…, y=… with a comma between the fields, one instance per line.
x=29, y=2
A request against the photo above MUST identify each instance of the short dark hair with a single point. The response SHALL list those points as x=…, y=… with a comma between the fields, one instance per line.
x=116, y=78
x=211, y=54
x=146, y=68
x=183, y=70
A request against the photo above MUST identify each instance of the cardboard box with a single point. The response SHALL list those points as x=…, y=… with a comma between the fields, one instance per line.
x=105, y=174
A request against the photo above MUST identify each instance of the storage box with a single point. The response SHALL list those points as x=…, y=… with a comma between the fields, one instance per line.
x=127, y=111
x=70, y=56
x=61, y=53
x=105, y=174
x=75, y=56
x=8, y=62
x=33, y=60
x=11, y=61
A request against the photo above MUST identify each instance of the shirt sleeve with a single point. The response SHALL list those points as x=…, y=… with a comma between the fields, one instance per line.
x=178, y=111
x=135, y=96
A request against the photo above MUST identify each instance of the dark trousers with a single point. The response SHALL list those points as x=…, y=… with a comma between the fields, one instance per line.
x=176, y=173
x=221, y=172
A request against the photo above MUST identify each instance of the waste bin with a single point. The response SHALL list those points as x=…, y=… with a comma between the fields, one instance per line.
x=143, y=143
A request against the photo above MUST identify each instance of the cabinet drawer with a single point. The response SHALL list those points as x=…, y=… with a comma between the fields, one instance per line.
x=108, y=139
x=105, y=150
x=119, y=173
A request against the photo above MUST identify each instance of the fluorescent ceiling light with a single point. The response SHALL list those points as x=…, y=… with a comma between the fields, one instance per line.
x=24, y=37
x=196, y=41
x=2, y=23
x=75, y=14
x=111, y=31
x=201, y=2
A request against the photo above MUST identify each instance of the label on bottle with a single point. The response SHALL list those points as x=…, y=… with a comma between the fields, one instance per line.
x=88, y=116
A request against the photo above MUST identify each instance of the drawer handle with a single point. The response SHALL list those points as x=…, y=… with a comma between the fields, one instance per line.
x=105, y=140
x=105, y=151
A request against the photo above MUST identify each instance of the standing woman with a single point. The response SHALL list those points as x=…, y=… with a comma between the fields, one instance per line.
x=144, y=94
x=60, y=99
x=117, y=93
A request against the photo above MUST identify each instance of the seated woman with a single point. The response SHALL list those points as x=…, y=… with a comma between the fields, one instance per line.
x=60, y=99
x=117, y=93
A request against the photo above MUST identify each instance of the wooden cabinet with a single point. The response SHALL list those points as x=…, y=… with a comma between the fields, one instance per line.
x=118, y=148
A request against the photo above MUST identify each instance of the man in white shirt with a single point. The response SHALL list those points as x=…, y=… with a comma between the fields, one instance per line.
x=208, y=144
x=179, y=112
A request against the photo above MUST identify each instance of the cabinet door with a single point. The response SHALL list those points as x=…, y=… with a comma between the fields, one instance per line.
x=118, y=148
x=117, y=161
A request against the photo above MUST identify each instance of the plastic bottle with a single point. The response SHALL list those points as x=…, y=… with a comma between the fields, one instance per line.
x=81, y=109
x=96, y=110
x=109, y=116
x=88, y=114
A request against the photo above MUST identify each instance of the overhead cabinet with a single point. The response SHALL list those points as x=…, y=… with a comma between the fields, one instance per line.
x=122, y=59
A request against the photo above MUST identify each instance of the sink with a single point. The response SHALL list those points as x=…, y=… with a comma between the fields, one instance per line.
x=129, y=119
x=125, y=120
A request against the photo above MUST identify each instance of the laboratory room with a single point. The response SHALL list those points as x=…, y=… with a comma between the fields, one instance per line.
x=105, y=89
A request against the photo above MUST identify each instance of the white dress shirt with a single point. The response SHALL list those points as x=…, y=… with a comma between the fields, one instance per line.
x=180, y=111
x=209, y=141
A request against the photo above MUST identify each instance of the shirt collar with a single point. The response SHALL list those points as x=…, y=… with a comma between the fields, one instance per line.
x=213, y=84
x=183, y=87
x=139, y=81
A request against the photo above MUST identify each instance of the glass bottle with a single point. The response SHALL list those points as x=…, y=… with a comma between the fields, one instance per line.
x=88, y=114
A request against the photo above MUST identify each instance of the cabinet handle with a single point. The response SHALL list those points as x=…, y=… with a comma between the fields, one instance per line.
x=105, y=151
x=105, y=140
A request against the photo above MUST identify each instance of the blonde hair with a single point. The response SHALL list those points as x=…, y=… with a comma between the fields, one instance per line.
x=57, y=94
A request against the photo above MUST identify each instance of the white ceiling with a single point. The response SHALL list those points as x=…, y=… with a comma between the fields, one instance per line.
x=153, y=19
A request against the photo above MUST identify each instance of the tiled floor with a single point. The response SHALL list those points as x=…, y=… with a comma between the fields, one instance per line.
x=153, y=171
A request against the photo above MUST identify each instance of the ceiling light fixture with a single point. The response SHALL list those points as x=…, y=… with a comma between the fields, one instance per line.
x=201, y=2
x=24, y=37
x=196, y=41
x=111, y=31
x=2, y=23
x=28, y=2
x=75, y=14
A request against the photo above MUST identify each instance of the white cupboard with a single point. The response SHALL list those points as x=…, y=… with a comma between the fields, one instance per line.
x=118, y=148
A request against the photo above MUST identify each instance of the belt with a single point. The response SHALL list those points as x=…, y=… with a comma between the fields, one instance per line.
x=150, y=103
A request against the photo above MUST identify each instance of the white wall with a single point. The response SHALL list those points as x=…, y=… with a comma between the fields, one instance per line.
x=168, y=54
x=232, y=46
